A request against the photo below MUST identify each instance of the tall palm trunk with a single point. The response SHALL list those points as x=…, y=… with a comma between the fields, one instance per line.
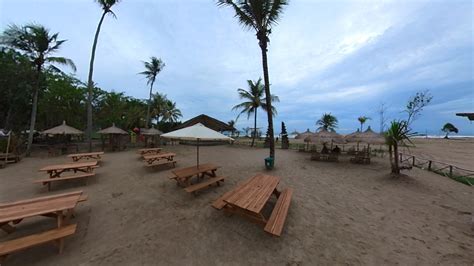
x=34, y=111
x=149, y=105
x=361, y=126
x=268, y=97
x=90, y=83
x=254, y=127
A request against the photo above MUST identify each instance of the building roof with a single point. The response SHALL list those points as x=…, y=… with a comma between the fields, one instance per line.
x=207, y=121
x=63, y=129
x=469, y=116
x=113, y=130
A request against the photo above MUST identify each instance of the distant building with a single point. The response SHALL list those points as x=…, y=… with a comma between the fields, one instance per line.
x=207, y=121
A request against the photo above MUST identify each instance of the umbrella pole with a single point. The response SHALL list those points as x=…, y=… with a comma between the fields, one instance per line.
x=198, y=153
x=8, y=148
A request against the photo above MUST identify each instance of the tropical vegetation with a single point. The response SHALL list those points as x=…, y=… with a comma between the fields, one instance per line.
x=261, y=16
x=448, y=128
x=362, y=120
x=253, y=100
x=327, y=122
x=152, y=69
x=37, y=44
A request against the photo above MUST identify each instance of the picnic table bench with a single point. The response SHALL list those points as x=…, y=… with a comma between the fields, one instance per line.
x=327, y=157
x=160, y=159
x=249, y=198
x=55, y=172
x=361, y=158
x=60, y=206
x=149, y=151
x=183, y=177
x=87, y=156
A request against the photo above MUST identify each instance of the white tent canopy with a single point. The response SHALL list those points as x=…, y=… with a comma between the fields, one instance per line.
x=196, y=132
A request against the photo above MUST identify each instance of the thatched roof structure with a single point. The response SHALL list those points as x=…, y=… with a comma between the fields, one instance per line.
x=113, y=130
x=469, y=116
x=324, y=136
x=305, y=134
x=368, y=136
x=63, y=129
x=353, y=136
x=208, y=122
x=152, y=132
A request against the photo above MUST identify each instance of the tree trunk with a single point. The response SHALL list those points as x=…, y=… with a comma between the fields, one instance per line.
x=268, y=96
x=147, y=121
x=34, y=111
x=361, y=126
x=396, y=165
x=90, y=83
x=254, y=127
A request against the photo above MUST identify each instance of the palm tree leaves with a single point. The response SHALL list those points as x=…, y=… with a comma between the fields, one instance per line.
x=254, y=98
x=107, y=5
x=327, y=122
x=62, y=61
x=153, y=68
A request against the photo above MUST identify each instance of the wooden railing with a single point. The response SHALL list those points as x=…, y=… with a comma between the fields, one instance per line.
x=462, y=175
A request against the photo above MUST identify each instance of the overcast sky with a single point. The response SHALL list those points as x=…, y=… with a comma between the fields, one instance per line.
x=342, y=57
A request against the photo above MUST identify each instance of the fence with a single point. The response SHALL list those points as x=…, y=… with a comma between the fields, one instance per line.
x=457, y=173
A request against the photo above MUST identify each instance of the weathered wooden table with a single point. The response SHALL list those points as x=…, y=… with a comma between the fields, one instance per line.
x=149, y=151
x=249, y=198
x=159, y=159
x=86, y=156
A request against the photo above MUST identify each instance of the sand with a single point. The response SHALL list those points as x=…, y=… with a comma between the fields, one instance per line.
x=340, y=214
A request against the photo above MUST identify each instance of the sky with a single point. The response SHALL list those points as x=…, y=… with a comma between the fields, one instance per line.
x=333, y=56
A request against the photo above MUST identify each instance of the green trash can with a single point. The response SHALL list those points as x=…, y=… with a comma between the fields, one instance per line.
x=269, y=162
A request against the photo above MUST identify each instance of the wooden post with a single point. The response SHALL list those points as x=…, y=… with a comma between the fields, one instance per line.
x=413, y=163
x=8, y=147
x=450, y=170
x=429, y=165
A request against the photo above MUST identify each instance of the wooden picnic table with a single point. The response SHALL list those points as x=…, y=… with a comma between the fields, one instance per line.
x=249, y=198
x=183, y=175
x=59, y=206
x=87, y=156
x=57, y=169
x=159, y=159
x=149, y=151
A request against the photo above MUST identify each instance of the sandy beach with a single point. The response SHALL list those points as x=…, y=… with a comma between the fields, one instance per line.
x=340, y=214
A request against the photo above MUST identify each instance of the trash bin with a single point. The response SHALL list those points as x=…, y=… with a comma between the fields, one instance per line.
x=269, y=162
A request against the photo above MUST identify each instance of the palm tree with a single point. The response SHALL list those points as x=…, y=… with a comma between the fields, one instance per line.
x=362, y=120
x=106, y=6
x=254, y=100
x=260, y=15
x=231, y=123
x=38, y=44
x=152, y=69
x=398, y=133
x=158, y=106
x=327, y=122
x=171, y=112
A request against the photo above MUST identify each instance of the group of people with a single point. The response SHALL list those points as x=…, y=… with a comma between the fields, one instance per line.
x=335, y=150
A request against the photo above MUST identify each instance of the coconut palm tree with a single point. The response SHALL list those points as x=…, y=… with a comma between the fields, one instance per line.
x=327, y=122
x=261, y=16
x=171, y=112
x=38, y=44
x=362, y=120
x=159, y=104
x=254, y=100
x=106, y=6
x=231, y=123
x=152, y=69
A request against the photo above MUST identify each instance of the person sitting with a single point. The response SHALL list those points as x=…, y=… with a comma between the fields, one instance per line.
x=324, y=150
x=336, y=150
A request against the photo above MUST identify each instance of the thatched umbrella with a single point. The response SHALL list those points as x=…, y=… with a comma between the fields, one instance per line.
x=324, y=136
x=63, y=129
x=304, y=135
x=152, y=132
x=353, y=136
x=113, y=132
x=370, y=137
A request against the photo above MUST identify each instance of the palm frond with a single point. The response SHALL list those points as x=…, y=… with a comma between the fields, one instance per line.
x=62, y=61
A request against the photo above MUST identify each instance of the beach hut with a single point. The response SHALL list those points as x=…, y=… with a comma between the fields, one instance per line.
x=197, y=132
x=64, y=133
x=151, y=136
x=115, y=134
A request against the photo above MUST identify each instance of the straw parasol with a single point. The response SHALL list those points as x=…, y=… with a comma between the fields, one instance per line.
x=353, y=136
x=325, y=136
x=370, y=137
x=63, y=130
x=113, y=130
x=197, y=133
x=304, y=135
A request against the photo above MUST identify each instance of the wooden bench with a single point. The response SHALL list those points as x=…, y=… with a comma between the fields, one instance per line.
x=161, y=162
x=277, y=219
x=11, y=246
x=48, y=181
x=204, y=184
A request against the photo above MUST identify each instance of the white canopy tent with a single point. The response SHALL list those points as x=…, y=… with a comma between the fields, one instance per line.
x=197, y=133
